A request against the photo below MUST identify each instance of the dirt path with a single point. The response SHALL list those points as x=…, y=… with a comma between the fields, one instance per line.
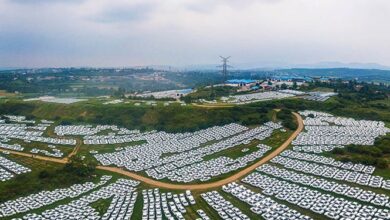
x=219, y=183
x=75, y=149
x=201, y=186
x=63, y=161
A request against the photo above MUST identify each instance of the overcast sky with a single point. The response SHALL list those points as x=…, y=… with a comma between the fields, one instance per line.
x=56, y=33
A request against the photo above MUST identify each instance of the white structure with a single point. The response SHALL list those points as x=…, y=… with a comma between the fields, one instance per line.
x=255, y=97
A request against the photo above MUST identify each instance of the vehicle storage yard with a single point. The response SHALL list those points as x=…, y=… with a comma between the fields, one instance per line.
x=196, y=175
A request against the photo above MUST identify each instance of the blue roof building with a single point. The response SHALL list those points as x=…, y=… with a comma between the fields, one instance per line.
x=240, y=81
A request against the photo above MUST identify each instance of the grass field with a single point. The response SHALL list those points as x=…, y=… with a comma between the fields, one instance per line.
x=237, y=151
x=170, y=118
x=101, y=205
x=277, y=138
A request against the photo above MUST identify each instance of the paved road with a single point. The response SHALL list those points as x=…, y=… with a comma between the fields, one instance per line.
x=200, y=186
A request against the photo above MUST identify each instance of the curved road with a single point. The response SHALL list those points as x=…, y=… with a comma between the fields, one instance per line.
x=219, y=183
x=200, y=186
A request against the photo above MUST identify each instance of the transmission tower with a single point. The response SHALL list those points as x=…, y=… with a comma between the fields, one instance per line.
x=225, y=66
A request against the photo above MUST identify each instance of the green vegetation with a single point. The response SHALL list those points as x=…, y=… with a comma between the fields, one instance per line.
x=44, y=176
x=168, y=118
x=237, y=151
x=209, y=93
x=101, y=205
x=287, y=118
x=79, y=167
x=277, y=138
x=377, y=155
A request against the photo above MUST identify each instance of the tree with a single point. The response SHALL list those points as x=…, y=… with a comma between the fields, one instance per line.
x=295, y=85
x=43, y=174
x=80, y=167
x=381, y=163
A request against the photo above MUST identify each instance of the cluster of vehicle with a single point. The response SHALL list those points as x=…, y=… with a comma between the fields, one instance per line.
x=262, y=205
x=14, y=147
x=332, y=172
x=327, y=185
x=314, y=200
x=186, y=156
x=44, y=198
x=159, y=205
x=317, y=149
x=122, y=204
x=23, y=132
x=8, y=169
x=255, y=97
x=325, y=129
x=81, y=207
x=226, y=210
x=55, y=152
x=206, y=169
x=329, y=161
x=82, y=130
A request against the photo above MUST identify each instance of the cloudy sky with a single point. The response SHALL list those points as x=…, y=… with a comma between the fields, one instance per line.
x=55, y=33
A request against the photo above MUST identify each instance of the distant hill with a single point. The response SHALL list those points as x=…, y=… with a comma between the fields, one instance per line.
x=343, y=73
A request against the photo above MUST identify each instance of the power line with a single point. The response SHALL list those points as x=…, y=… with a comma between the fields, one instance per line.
x=225, y=66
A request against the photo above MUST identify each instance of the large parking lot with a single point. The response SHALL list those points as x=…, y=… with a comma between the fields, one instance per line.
x=299, y=183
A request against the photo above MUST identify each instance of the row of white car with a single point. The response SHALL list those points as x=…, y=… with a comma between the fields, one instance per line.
x=19, y=130
x=82, y=130
x=181, y=159
x=317, y=149
x=165, y=205
x=22, y=132
x=121, y=207
x=326, y=185
x=44, y=198
x=54, y=153
x=262, y=205
x=207, y=169
x=313, y=200
x=8, y=169
x=254, y=97
x=333, y=172
x=81, y=207
x=18, y=118
x=14, y=147
x=325, y=129
x=328, y=161
x=324, y=118
x=122, y=136
x=226, y=210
